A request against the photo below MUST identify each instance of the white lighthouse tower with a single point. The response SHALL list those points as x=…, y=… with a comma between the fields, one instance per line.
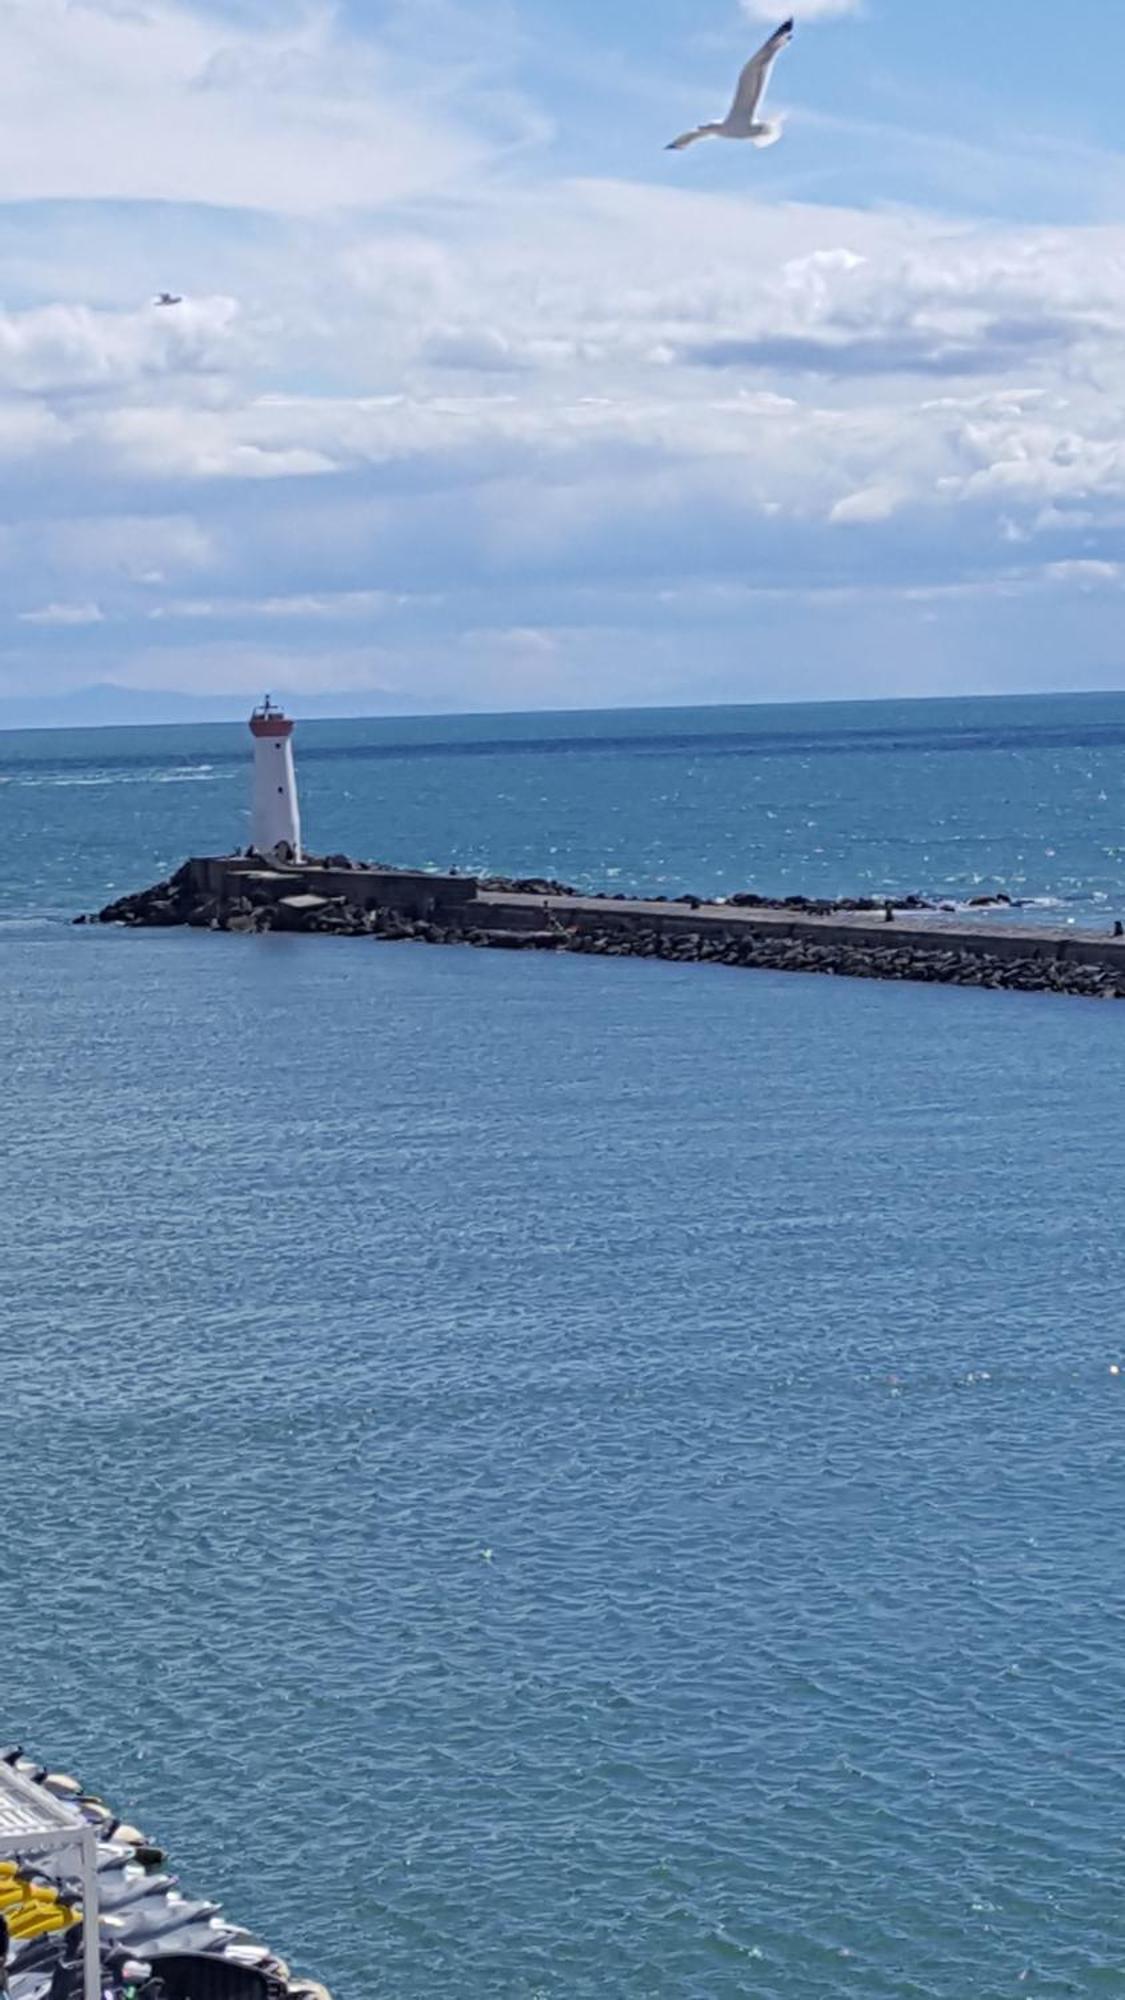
x=276, y=823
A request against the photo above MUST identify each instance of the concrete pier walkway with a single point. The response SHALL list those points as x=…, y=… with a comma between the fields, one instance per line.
x=339, y=898
x=933, y=931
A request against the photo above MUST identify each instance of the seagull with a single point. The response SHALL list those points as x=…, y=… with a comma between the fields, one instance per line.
x=167, y=299
x=741, y=121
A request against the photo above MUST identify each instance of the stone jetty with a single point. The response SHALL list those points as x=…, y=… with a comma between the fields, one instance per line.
x=855, y=938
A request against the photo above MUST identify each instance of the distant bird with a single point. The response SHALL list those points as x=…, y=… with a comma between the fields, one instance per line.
x=741, y=121
x=167, y=299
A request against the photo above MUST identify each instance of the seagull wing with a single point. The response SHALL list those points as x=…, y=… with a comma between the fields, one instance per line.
x=752, y=83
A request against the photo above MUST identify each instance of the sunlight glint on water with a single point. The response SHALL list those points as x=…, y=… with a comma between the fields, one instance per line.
x=546, y=1477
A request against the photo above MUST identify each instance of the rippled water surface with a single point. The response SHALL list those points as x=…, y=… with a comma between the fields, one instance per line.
x=945, y=798
x=567, y=1478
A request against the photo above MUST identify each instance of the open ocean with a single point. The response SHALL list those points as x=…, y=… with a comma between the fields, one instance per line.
x=542, y=1478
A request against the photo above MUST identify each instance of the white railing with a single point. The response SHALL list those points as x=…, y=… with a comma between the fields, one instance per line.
x=34, y=1822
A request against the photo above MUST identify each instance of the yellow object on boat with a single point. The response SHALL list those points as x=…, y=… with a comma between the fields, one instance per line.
x=31, y=1909
x=32, y=1923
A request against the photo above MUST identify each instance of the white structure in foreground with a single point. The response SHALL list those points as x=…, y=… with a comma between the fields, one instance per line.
x=33, y=1822
x=275, y=830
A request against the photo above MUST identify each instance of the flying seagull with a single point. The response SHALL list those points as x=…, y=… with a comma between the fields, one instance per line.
x=741, y=121
x=167, y=299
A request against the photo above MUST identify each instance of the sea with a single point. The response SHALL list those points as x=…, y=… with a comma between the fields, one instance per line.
x=540, y=1478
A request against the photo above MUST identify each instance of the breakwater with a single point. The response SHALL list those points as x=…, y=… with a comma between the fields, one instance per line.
x=154, y=1942
x=852, y=938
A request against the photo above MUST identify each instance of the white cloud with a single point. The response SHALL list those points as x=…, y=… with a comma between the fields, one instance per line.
x=623, y=385
x=1086, y=572
x=624, y=350
x=873, y=503
x=161, y=100
x=63, y=614
x=63, y=349
x=810, y=10
x=344, y=604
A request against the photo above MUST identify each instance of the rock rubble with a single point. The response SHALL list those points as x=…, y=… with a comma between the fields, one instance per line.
x=616, y=934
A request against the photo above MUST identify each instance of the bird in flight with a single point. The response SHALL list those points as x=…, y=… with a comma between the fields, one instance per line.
x=167, y=299
x=742, y=121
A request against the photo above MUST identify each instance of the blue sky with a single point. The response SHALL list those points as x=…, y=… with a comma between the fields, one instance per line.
x=480, y=399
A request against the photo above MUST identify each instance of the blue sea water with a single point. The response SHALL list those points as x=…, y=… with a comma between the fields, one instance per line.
x=552, y=1478
x=946, y=798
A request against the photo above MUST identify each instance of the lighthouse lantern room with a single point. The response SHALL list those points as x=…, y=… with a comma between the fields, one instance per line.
x=276, y=820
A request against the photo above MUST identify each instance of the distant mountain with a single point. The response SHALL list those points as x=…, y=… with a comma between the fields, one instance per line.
x=104, y=705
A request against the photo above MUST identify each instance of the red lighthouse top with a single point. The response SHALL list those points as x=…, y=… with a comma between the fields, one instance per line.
x=270, y=721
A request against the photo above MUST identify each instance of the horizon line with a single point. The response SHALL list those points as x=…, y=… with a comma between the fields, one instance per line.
x=616, y=708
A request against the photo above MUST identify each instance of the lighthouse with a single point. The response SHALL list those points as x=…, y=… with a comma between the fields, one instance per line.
x=276, y=822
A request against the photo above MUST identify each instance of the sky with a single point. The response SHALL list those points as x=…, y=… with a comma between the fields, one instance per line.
x=479, y=399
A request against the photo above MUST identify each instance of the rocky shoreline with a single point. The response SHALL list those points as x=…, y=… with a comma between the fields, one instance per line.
x=503, y=914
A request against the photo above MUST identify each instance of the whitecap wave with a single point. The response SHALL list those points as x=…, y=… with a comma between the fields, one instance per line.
x=188, y=774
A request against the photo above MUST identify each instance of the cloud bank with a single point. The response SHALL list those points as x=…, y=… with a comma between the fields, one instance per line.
x=459, y=434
